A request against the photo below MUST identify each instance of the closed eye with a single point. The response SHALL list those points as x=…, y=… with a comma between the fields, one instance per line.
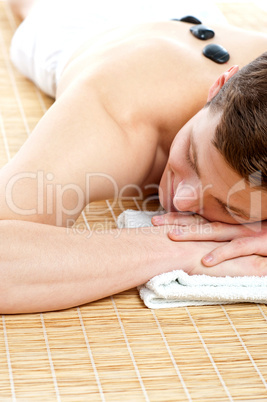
x=227, y=211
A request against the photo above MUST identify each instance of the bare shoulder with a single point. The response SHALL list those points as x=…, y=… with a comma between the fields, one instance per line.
x=81, y=153
x=132, y=73
x=138, y=76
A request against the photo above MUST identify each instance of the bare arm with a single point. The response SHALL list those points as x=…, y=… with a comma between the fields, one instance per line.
x=50, y=268
x=77, y=154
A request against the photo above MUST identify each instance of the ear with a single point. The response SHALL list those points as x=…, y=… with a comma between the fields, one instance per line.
x=221, y=81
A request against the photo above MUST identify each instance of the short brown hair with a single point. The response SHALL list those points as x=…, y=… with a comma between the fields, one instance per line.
x=241, y=135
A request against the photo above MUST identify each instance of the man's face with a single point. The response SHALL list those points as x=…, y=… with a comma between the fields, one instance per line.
x=197, y=179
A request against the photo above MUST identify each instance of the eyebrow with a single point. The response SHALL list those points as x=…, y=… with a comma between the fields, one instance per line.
x=220, y=202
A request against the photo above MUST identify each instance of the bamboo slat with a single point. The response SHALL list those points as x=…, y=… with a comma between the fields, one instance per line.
x=116, y=349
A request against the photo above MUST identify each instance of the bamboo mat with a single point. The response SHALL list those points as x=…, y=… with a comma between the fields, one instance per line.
x=116, y=349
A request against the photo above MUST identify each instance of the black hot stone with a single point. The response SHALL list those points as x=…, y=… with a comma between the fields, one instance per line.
x=191, y=19
x=216, y=53
x=202, y=32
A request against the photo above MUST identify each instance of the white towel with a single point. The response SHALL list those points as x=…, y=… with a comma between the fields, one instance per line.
x=178, y=289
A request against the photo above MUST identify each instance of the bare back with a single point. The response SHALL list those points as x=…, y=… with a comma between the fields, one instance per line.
x=120, y=101
x=160, y=63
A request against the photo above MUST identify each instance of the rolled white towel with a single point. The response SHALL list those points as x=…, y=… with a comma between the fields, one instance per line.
x=178, y=289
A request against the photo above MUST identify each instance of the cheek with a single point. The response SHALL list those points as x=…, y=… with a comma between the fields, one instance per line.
x=213, y=212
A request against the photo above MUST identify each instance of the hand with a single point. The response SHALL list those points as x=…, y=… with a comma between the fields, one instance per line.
x=242, y=246
x=242, y=240
x=178, y=218
x=187, y=256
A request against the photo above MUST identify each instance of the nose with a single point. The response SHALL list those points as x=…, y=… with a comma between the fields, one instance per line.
x=187, y=197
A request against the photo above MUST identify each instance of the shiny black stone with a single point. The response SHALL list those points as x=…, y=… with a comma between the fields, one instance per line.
x=216, y=53
x=191, y=19
x=202, y=32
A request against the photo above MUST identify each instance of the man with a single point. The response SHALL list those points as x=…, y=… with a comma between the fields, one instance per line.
x=121, y=98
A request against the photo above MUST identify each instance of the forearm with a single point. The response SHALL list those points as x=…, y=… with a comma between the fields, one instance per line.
x=47, y=268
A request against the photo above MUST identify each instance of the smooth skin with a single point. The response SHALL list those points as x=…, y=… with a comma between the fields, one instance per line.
x=120, y=103
x=48, y=268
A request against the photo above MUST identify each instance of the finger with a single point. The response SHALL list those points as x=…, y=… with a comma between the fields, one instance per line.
x=214, y=231
x=240, y=266
x=205, y=232
x=175, y=218
x=236, y=248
